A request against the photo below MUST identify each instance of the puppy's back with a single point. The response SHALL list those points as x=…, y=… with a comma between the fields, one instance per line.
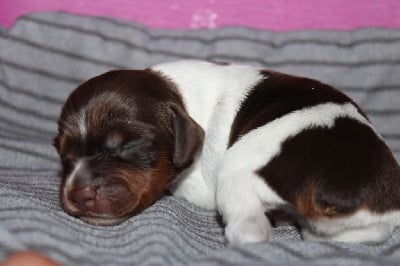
x=324, y=168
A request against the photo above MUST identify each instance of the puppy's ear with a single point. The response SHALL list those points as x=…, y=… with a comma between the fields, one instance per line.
x=188, y=137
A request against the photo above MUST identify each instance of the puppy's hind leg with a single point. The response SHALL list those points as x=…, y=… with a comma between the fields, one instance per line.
x=247, y=226
x=241, y=203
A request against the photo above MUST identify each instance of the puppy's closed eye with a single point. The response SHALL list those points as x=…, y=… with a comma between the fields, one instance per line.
x=138, y=151
x=135, y=146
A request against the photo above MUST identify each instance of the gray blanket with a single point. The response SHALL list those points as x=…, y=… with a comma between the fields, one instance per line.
x=44, y=56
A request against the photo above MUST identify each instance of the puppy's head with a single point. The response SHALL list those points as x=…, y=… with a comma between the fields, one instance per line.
x=122, y=138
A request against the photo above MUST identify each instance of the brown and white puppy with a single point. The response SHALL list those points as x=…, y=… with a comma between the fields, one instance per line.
x=233, y=138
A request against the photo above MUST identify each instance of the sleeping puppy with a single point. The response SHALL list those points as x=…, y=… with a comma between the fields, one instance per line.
x=234, y=138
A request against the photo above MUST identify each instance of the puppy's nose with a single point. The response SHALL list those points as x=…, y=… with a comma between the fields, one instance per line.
x=83, y=197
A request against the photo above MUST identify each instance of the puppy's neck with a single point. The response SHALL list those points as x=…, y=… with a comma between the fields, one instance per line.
x=212, y=94
x=207, y=85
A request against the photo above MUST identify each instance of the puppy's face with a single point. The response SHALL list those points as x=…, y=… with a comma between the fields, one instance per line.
x=123, y=137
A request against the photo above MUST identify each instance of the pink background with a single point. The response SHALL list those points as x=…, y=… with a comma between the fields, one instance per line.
x=278, y=15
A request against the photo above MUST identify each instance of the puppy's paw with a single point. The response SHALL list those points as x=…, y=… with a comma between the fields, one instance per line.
x=250, y=230
x=308, y=235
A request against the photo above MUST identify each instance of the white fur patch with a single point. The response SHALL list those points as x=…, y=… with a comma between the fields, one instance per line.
x=212, y=95
x=82, y=123
x=363, y=226
x=77, y=167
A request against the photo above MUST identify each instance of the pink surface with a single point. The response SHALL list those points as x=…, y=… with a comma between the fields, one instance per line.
x=278, y=15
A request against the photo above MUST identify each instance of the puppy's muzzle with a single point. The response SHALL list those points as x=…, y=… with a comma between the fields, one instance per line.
x=90, y=198
x=97, y=200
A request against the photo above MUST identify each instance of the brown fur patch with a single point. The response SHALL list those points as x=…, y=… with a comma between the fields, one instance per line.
x=305, y=203
x=154, y=183
x=335, y=171
x=279, y=94
x=308, y=207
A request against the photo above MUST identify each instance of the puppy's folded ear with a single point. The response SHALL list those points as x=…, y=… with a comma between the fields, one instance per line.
x=188, y=137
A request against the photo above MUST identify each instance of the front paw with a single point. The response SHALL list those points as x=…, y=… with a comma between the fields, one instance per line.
x=250, y=230
x=308, y=235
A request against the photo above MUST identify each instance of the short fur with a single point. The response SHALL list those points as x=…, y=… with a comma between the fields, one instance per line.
x=228, y=137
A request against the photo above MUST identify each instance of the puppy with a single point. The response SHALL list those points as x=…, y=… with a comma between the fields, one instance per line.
x=237, y=139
